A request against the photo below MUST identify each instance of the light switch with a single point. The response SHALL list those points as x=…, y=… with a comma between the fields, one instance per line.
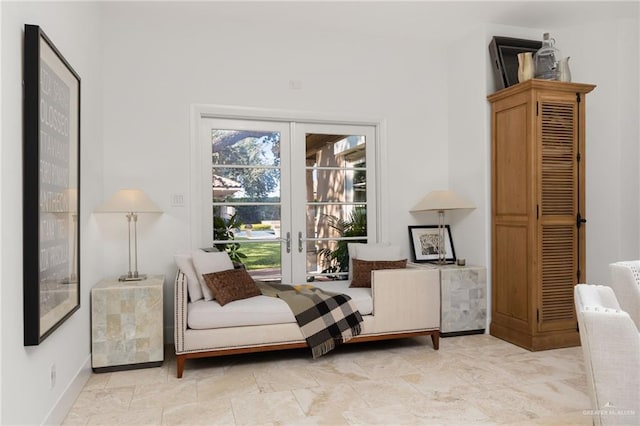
x=177, y=200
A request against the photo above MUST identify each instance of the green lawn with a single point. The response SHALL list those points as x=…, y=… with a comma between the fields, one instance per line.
x=261, y=255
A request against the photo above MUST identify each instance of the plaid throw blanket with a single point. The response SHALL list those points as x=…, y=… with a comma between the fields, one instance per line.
x=325, y=319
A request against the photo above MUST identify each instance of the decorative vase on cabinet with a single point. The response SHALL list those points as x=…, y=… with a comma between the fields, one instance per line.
x=525, y=66
x=538, y=206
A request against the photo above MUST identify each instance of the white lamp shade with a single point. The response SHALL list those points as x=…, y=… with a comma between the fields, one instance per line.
x=129, y=201
x=442, y=200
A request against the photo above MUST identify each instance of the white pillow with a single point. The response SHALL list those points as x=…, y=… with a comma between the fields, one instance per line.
x=185, y=264
x=373, y=251
x=206, y=263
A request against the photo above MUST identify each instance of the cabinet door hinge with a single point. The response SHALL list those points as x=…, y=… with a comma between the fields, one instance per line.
x=536, y=108
x=578, y=274
x=537, y=211
x=537, y=315
x=578, y=97
x=578, y=157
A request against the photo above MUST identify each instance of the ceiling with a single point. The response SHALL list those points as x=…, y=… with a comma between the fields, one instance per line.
x=431, y=19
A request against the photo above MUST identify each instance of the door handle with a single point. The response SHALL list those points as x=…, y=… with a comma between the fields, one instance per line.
x=288, y=240
x=300, y=248
x=580, y=220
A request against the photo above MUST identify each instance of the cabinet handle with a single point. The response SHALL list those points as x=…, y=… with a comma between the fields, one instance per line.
x=300, y=242
x=288, y=241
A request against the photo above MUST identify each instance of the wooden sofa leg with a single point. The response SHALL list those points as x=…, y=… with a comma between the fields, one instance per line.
x=179, y=365
x=435, y=338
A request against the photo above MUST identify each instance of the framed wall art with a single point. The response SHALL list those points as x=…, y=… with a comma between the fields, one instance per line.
x=51, y=187
x=424, y=243
x=503, y=52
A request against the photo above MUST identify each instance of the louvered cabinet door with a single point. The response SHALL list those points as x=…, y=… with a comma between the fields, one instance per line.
x=538, y=249
x=560, y=172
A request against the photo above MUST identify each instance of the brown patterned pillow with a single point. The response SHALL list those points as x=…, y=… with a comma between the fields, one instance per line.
x=230, y=285
x=362, y=270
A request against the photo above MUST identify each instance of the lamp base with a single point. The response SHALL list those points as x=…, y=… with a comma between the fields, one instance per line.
x=132, y=278
x=445, y=262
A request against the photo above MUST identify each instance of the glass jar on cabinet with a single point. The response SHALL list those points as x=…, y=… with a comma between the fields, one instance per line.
x=545, y=60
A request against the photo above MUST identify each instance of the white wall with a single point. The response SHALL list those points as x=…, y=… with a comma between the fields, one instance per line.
x=606, y=54
x=1, y=210
x=26, y=397
x=469, y=145
x=208, y=54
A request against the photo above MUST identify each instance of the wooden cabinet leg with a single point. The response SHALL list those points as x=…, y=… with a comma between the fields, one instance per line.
x=435, y=338
x=179, y=365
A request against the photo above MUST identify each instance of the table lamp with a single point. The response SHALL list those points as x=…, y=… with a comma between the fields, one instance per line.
x=441, y=201
x=131, y=202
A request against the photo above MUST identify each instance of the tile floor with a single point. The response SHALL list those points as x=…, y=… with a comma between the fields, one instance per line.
x=471, y=380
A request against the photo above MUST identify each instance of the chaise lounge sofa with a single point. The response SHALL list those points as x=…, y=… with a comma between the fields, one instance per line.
x=400, y=303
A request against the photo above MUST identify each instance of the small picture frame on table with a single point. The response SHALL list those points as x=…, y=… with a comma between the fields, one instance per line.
x=424, y=243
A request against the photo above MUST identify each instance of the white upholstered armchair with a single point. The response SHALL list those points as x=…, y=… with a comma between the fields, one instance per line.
x=624, y=279
x=611, y=348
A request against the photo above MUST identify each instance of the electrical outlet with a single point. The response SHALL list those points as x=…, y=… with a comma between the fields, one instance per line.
x=52, y=376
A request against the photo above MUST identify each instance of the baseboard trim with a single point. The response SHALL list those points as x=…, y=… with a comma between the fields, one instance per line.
x=462, y=333
x=124, y=367
x=59, y=411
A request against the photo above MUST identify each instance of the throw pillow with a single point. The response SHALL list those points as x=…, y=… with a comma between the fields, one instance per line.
x=234, y=284
x=373, y=251
x=362, y=270
x=353, y=252
x=184, y=263
x=206, y=263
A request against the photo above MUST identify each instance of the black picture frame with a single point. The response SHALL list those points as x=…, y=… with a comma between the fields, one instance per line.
x=503, y=52
x=51, y=187
x=423, y=241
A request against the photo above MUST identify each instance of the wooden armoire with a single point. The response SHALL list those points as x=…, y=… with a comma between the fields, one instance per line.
x=538, y=211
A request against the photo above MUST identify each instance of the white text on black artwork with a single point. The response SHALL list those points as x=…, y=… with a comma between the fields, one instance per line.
x=54, y=170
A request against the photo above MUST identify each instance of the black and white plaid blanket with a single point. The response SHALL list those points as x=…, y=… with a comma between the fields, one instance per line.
x=325, y=318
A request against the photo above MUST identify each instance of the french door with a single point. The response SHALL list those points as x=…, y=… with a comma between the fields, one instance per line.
x=284, y=198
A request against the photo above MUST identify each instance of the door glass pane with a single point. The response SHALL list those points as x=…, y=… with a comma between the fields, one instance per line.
x=246, y=183
x=246, y=199
x=336, y=209
x=353, y=180
x=233, y=147
x=327, y=254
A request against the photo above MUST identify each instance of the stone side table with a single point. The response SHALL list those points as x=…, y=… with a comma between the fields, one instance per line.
x=463, y=299
x=127, y=324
